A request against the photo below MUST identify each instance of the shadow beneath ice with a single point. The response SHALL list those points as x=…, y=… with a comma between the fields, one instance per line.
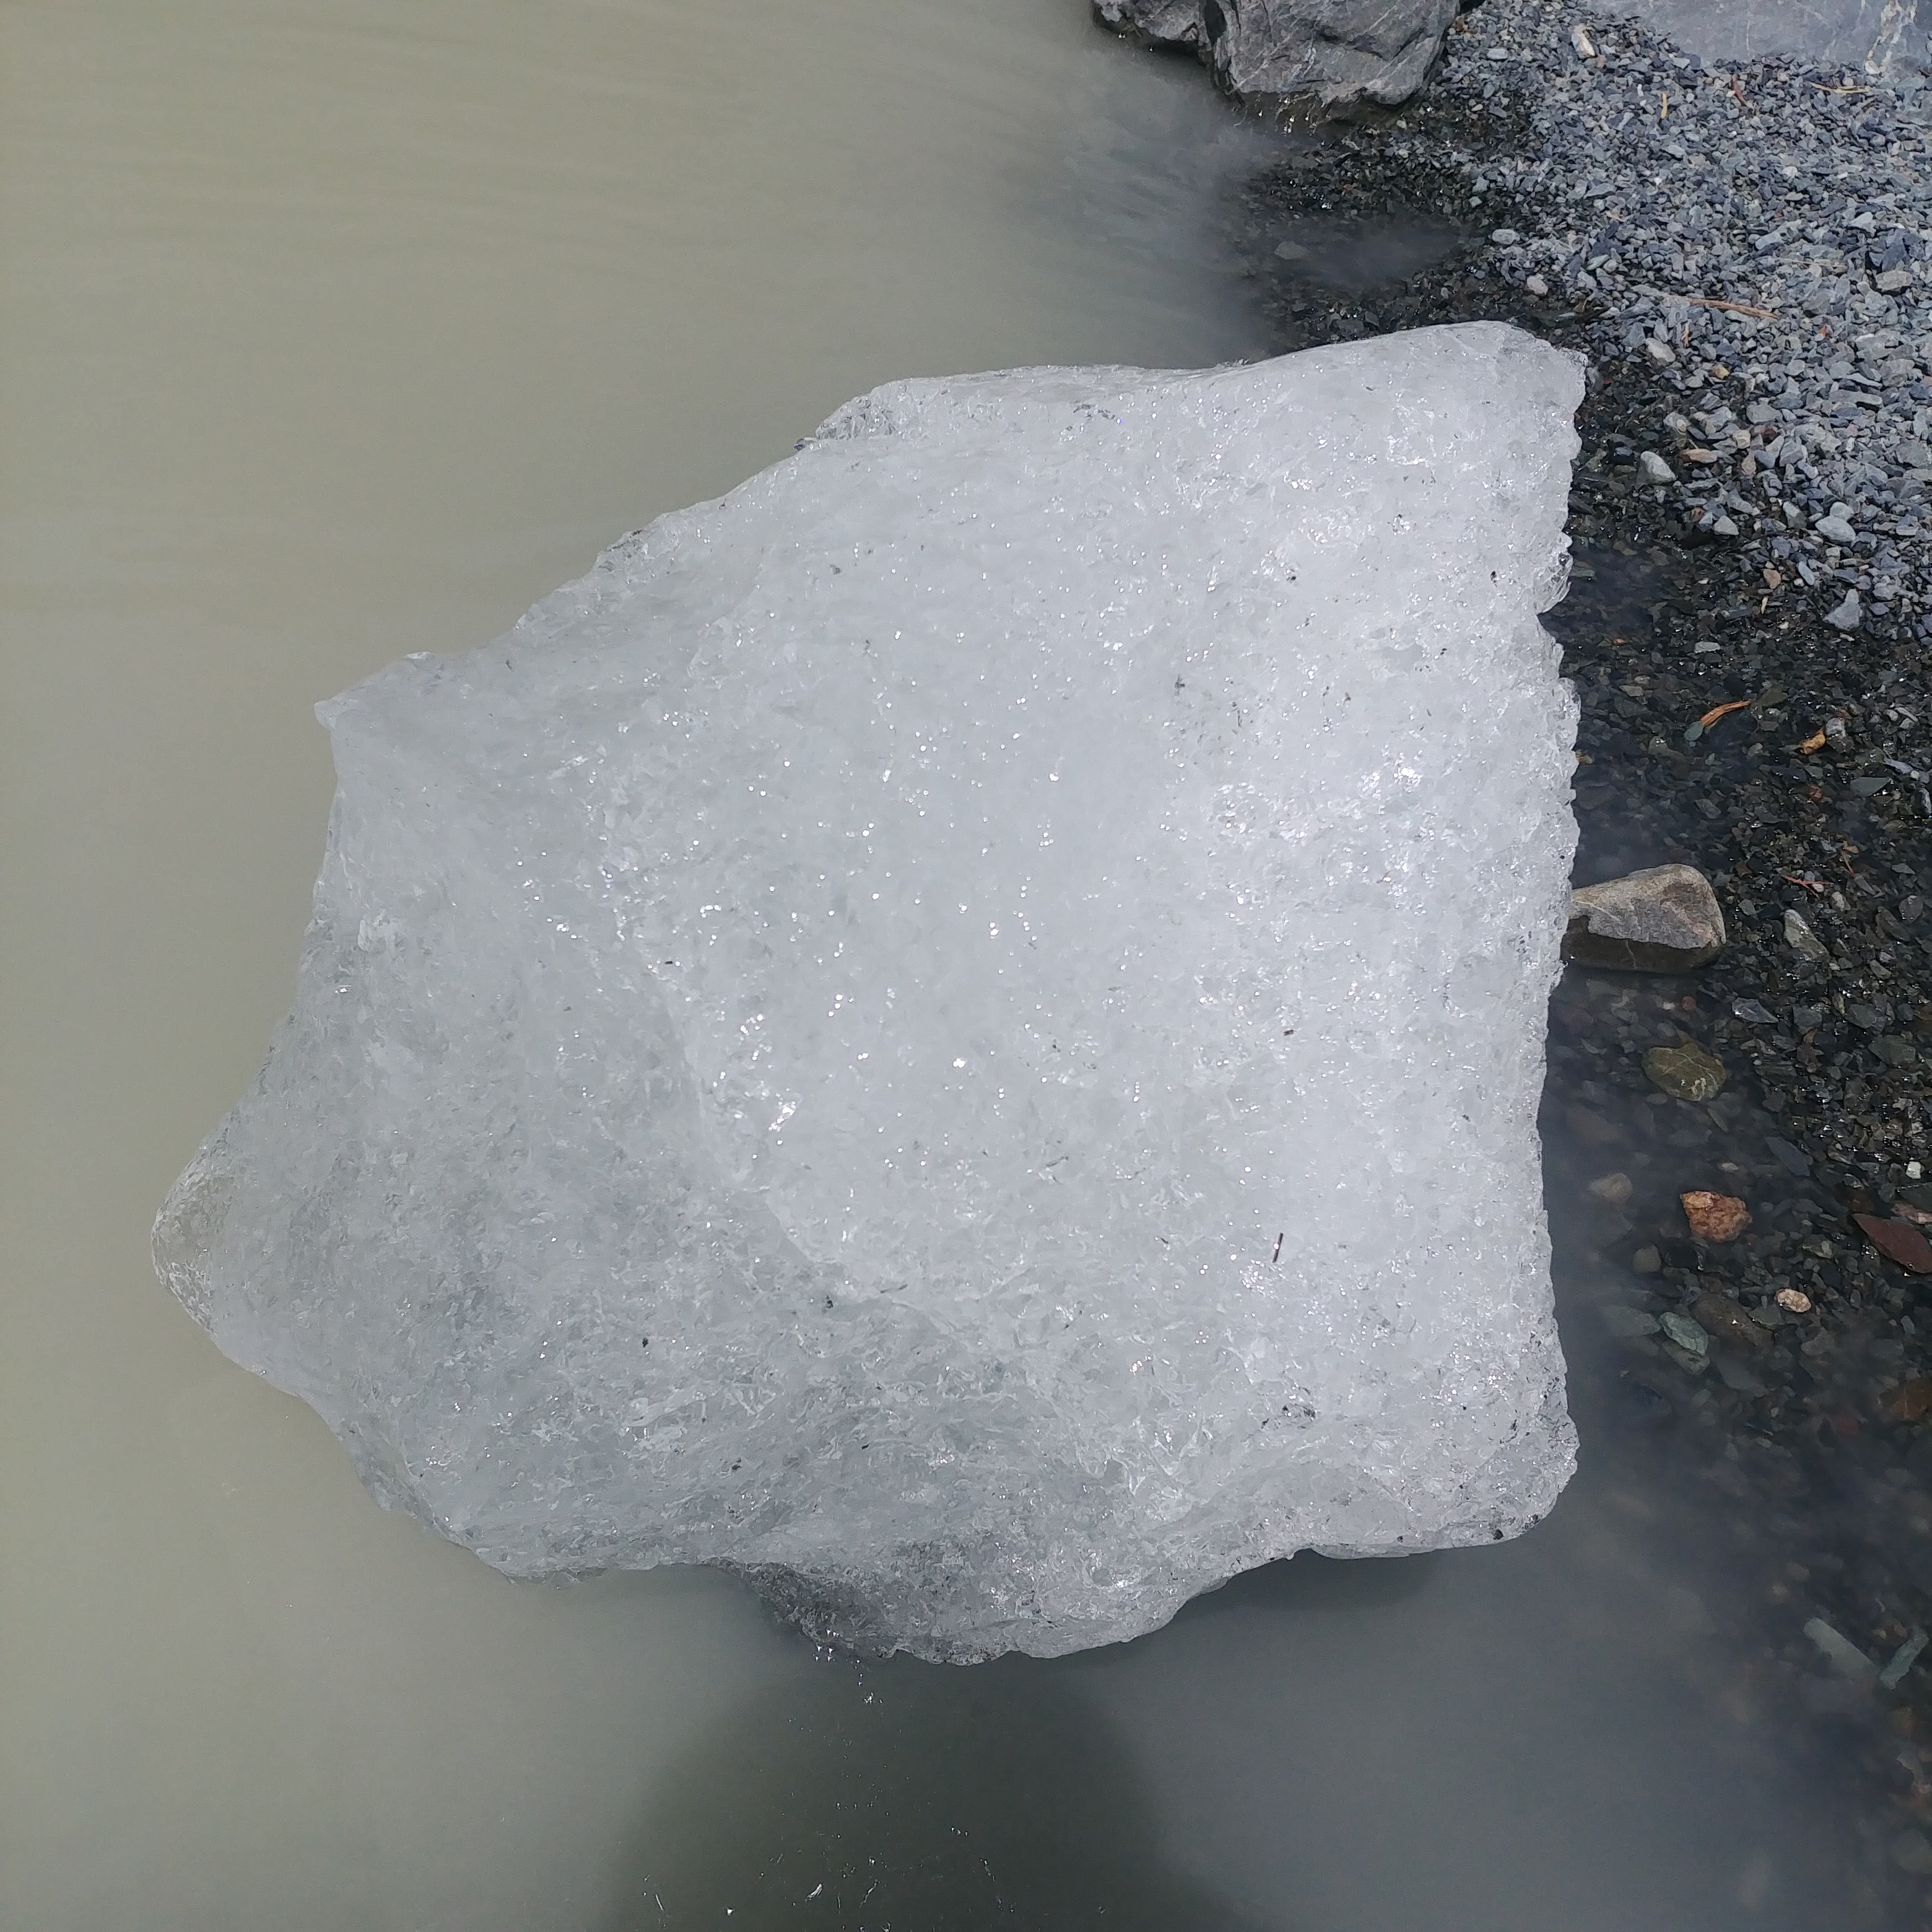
x=904, y=1794
x=1310, y=1583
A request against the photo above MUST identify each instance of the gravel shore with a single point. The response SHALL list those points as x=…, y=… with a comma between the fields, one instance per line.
x=1743, y=253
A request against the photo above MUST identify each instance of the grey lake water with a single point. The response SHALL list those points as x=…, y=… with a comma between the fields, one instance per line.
x=337, y=331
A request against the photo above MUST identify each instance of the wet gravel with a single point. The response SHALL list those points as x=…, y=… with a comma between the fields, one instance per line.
x=1743, y=253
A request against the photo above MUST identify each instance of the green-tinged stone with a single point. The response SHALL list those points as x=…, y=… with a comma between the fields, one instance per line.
x=1685, y=1332
x=1685, y=1072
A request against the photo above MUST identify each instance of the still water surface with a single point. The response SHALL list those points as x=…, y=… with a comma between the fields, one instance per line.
x=334, y=332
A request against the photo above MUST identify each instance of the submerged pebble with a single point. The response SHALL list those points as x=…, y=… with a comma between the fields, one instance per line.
x=1686, y=1072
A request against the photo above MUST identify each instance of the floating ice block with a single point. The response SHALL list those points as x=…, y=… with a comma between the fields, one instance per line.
x=958, y=1031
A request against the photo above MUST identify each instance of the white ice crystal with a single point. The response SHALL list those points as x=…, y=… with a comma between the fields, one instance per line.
x=957, y=1031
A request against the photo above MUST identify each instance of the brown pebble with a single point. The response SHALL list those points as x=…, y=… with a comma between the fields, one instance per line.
x=1715, y=1217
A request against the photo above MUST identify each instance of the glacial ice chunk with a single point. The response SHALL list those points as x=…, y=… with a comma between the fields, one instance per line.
x=958, y=1031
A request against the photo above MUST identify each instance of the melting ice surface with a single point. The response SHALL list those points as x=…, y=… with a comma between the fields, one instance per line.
x=957, y=1030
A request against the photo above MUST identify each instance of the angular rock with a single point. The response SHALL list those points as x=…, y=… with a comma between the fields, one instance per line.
x=1665, y=919
x=1847, y=614
x=1330, y=54
x=958, y=1031
x=1684, y=1332
x=1844, y=1655
x=1802, y=940
x=1902, y=1659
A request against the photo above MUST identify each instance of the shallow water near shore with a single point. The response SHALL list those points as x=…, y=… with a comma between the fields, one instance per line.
x=330, y=339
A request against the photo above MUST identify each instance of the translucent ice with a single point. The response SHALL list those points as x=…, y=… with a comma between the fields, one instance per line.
x=958, y=1031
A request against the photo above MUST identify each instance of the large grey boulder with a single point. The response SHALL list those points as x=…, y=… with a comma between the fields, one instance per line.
x=1665, y=919
x=1329, y=54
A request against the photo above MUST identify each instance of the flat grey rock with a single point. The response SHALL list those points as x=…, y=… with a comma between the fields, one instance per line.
x=1664, y=919
x=1882, y=38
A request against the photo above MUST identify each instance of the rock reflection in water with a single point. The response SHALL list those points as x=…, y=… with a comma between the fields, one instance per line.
x=910, y=1795
x=1355, y=256
x=1553, y=1733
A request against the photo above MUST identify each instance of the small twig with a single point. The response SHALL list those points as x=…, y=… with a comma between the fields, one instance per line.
x=1742, y=308
x=1822, y=88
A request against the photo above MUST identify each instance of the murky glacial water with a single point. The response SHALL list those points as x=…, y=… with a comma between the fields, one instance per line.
x=333, y=332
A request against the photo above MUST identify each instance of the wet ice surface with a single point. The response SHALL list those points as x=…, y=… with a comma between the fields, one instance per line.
x=887, y=1037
